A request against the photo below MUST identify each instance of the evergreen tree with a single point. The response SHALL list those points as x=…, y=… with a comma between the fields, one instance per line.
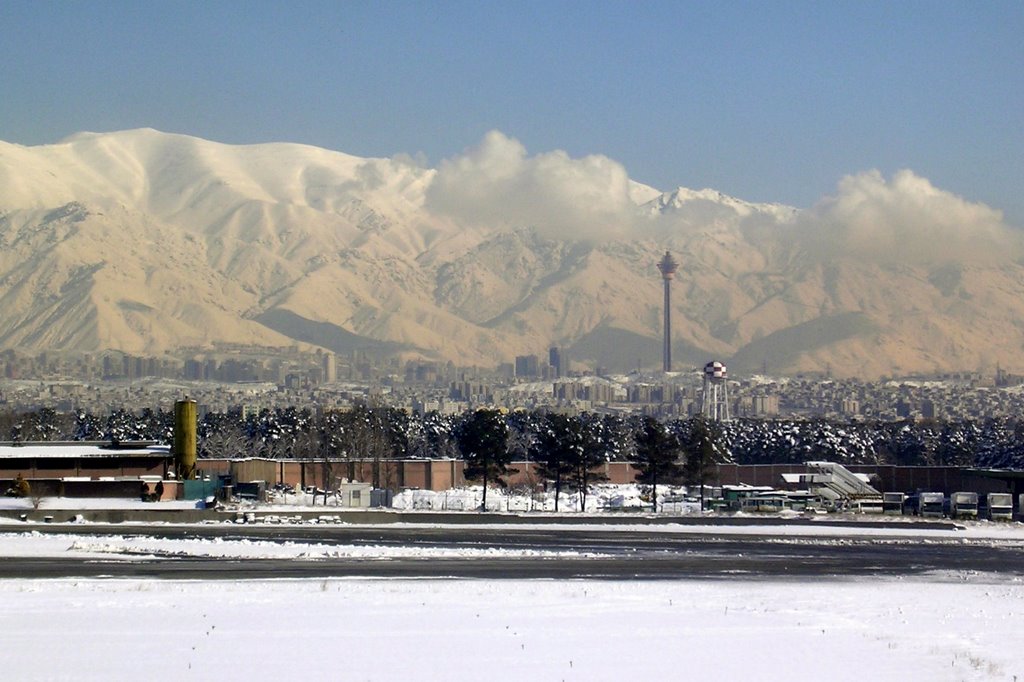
x=596, y=445
x=438, y=432
x=957, y=443
x=87, y=427
x=44, y=425
x=558, y=446
x=482, y=437
x=701, y=454
x=656, y=455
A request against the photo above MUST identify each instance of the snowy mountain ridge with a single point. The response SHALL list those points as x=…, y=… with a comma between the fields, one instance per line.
x=683, y=198
x=147, y=242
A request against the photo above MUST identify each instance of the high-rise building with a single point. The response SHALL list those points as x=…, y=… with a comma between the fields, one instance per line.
x=555, y=360
x=668, y=266
x=928, y=409
x=527, y=366
x=330, y=368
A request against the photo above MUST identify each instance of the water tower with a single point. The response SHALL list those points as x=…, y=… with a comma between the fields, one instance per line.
x=715, y=401
x=668, y=266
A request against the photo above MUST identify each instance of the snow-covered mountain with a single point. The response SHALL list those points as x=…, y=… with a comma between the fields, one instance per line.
x=146, y=242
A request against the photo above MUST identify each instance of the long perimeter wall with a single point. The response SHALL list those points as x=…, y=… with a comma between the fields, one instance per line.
x=442, y=474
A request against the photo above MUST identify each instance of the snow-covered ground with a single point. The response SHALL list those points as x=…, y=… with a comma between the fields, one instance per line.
x=110, y=547
x=950, y=626
x=602, y=497
x=357, y=629
x=18, y=539
x=83, y=503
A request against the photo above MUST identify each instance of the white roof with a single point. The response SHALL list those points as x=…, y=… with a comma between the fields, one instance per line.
x=65, y=451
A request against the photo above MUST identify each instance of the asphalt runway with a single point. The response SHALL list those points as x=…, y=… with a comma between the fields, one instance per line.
x=602, y=554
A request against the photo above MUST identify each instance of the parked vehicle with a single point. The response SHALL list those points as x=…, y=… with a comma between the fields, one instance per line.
x=1000, y=506
x=868, y=505
x=963, y=505
x=931, y=504
x=763, y=503
x=892, y=503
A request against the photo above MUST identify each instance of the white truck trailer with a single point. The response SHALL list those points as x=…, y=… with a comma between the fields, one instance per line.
x=963, y=505
x=892, y=503
x=1000, y=506
x=931, y=504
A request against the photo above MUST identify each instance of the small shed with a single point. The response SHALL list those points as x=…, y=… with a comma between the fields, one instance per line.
x=355, y=495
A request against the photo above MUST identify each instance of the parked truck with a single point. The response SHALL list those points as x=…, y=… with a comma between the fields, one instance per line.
x=892, y=503
x=963, y=505
x=1000, y=506
x=931, y=504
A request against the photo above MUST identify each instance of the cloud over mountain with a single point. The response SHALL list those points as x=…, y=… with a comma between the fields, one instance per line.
x=498, y=184
x=905, y=219
x=147, y=242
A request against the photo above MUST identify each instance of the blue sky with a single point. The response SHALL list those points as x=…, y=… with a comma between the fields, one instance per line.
x=767, y=101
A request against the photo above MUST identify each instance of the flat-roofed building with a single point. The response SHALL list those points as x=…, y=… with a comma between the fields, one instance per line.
x=79, y=468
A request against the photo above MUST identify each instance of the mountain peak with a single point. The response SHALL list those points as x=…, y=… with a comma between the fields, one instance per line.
x=114, y=134
x=145, y=241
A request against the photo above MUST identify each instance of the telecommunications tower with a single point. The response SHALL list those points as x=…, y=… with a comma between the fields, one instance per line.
x=714, y=403
x=668, y=266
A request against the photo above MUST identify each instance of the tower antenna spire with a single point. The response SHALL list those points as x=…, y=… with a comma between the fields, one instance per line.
x=668, y=266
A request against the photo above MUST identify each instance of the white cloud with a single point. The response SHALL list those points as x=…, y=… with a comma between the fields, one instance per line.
x=497, y=184
x=905, y=219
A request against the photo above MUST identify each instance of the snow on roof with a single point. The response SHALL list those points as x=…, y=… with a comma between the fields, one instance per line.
x=94, y=450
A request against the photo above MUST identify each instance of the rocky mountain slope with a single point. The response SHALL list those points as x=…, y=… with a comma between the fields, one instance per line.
x=146, y=242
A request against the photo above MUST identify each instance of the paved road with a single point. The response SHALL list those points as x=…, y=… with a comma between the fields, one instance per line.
x=601, y=554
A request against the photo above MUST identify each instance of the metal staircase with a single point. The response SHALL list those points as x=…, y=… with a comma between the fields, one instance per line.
x=834, y=482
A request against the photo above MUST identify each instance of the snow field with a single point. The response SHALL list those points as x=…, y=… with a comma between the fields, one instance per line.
x=357, y=629
x=18, y=539
x=112, y=547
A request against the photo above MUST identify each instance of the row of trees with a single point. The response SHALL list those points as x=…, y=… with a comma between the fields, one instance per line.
x=569, y=451
x=997, y=443
x=566, y=449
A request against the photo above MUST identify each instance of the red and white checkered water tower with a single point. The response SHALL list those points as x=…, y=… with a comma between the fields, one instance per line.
x=715, y=400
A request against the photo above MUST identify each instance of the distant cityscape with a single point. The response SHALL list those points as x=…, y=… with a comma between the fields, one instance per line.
x=256, y=378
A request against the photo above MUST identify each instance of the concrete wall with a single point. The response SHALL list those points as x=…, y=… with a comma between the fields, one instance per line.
x=445, y=474
x=439, y=474
x=415, y=475
x=212, y=467
x=248, y=470
x=527, y=473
